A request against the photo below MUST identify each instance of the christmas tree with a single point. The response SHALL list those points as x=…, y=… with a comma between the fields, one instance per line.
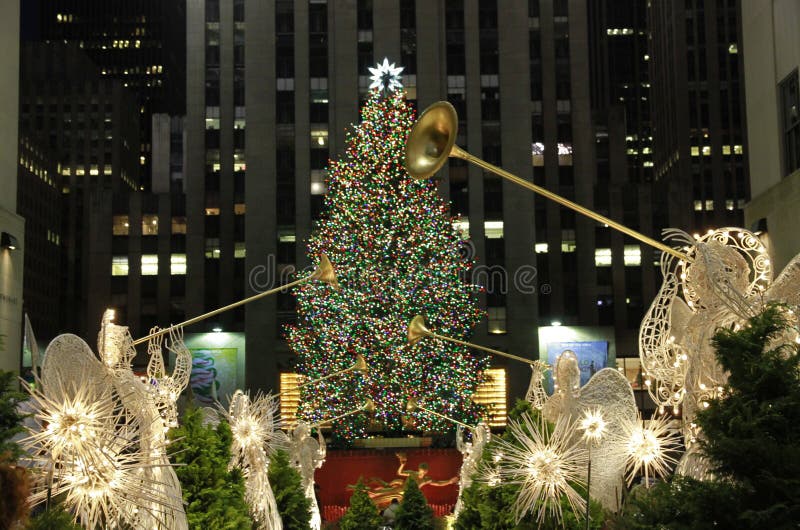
x=214, y=496
x=362, y=512
x=414, y=512
x=396, y=255
x=287, y=486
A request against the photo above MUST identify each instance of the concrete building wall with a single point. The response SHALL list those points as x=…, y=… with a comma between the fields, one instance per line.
x=11, y=261
x=772, y=52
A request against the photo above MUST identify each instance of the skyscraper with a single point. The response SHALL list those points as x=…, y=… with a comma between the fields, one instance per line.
x=698, y=111
x=142, y=43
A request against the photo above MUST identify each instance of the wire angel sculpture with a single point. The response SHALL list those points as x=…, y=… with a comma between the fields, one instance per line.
x=609, y=393
x=255, y=426
x=100, y=435
x=536, y=394
x=308, y=454
x=471, y=452
x=85, y=444
x=727, y=281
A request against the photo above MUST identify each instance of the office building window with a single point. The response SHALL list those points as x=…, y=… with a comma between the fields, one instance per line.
x=119, y=266
x=177, y=264
x=149, y=225
x=120, y=226
x=149, y=265
x=790, y=105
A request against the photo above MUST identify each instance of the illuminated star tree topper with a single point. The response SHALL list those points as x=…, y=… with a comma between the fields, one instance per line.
x=385, y=76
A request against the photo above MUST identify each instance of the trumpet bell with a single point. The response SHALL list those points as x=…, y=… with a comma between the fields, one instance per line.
x=360, y=365
x=417, y=329
x=431, y=140
x=325, y=273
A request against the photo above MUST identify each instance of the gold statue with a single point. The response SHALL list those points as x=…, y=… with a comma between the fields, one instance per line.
x=386, y=491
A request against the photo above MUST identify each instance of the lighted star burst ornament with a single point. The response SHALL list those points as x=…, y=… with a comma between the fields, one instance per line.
x=545, y=463
x=386, y=76
x=649, y=448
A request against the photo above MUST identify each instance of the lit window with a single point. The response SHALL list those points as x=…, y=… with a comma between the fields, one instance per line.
x=540, y=248
x=212, y=124
x=149, y=265
x=491, y=394
x=179, y=225
x=319, y=138
x=709, y=205
x=150, y=225
x=493, y=229
x=632, y=255
x=120, y=225
x=177, y=264
x=239, y=208
x=602, y=257
x=737, y=149
x=318, y=186
x=729, y=204
x=212, y=248
x=119, y=266
x=107, y=170
x=726, y=149
x=706, y=150
x=461, y=226
x=695, y=151
x=568, y=240
x=239, y=250
x=733, y=48
x=497, y=320
x=698, y=206
x=212, y=211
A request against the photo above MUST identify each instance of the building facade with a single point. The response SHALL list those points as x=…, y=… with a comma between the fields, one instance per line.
x=88, y=125
x=12, y=225
x=773, y=120
x=39, y=202
x=141, y=43
x=698, y=112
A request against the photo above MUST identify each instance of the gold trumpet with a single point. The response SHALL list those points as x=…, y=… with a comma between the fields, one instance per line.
x=368, y=407
x=323, y=273
x=359, y=366
x=412, y=405
x=432, y=141
x=417, y=330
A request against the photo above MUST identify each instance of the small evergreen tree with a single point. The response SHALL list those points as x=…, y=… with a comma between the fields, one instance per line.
x=54, y=518
x=214, y=496
x=14, y=486
x=751, y=438
x=287, y=486
x=362, y=512
x=10, y=418
x=414, y=512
